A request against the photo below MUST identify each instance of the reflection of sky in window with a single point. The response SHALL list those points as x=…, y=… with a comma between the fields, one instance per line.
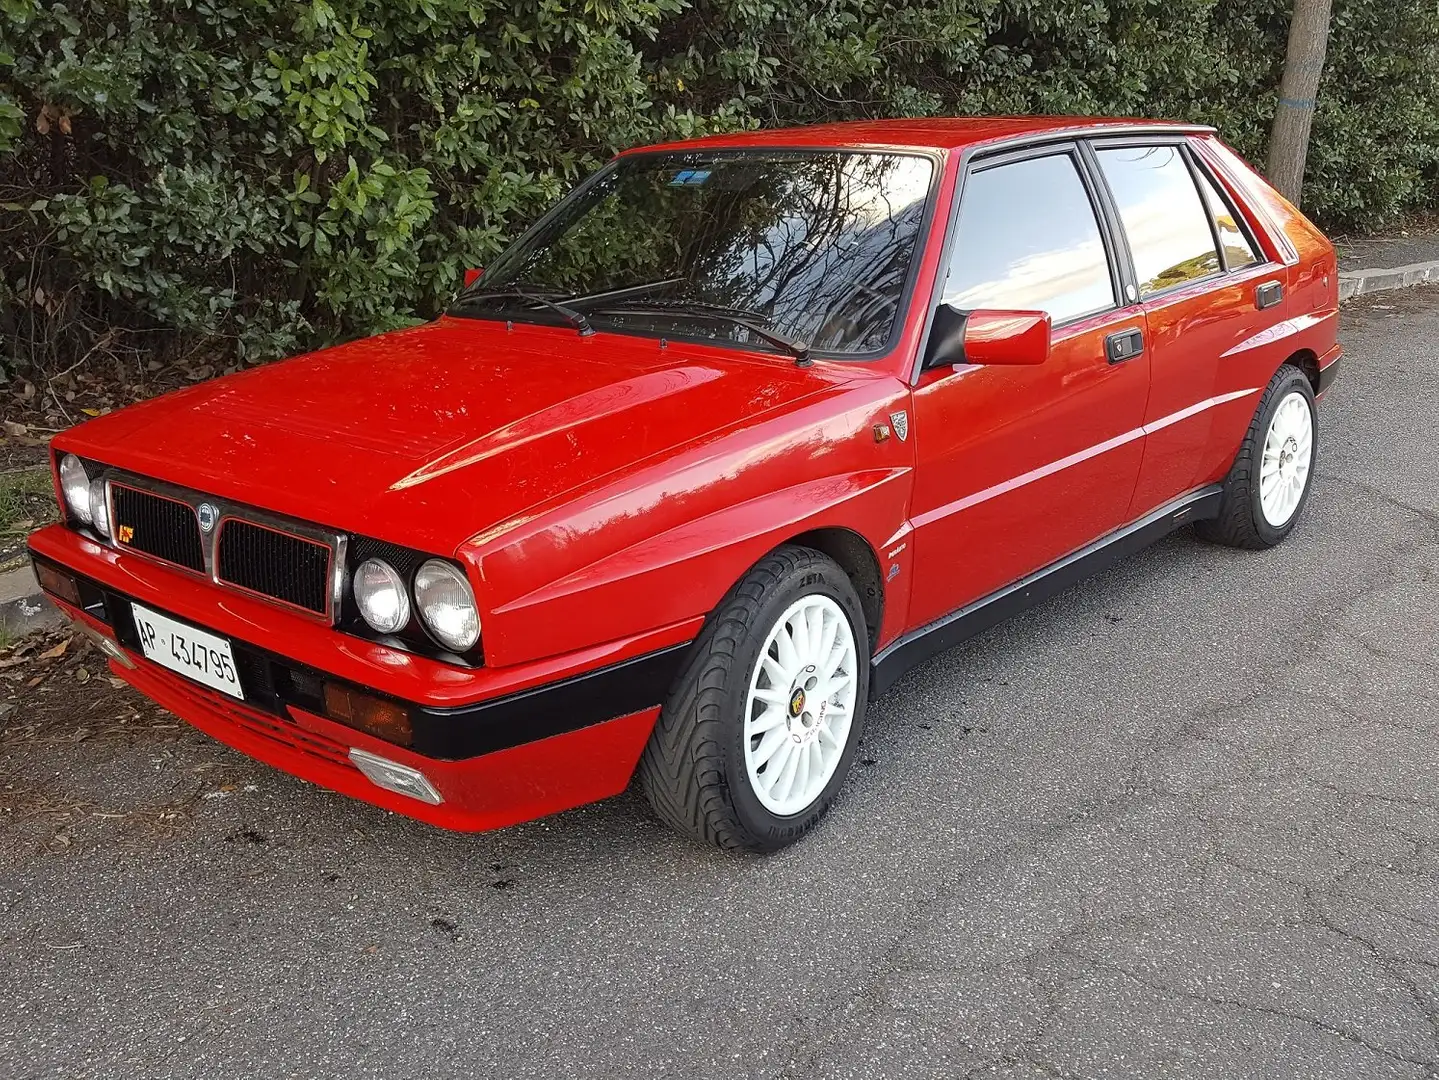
x=1167, y=226
x=1028, y=240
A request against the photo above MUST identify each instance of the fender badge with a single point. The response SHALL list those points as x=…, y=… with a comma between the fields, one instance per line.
x=900, y=420
x=206, y=514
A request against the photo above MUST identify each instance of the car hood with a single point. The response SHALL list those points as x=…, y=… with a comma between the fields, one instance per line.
x=429, y=435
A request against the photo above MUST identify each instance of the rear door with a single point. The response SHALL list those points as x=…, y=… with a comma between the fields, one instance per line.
x=1019, y=466
x=1198, y=274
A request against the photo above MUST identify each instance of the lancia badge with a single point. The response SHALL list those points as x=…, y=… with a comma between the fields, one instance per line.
x=900, y=420
x=207, y=515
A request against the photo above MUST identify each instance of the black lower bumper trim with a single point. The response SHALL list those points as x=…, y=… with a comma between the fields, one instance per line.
x=557, y=708
x=271, y=683
x=1328, y=374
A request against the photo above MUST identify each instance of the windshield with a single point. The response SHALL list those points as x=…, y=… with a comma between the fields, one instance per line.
x=812, y=247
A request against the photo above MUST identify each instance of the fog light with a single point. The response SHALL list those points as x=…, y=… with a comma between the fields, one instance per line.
x=382, y=719
x=392, y=776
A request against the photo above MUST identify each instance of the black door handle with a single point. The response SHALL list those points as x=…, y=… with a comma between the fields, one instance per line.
x=1268, y=294
x=1124, y=345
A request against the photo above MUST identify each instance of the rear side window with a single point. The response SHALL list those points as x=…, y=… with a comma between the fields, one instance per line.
x=1164, y=220
x=1238, y=251
x=1028, y=239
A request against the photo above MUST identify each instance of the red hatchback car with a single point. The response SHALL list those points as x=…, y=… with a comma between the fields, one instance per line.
x=736, y=433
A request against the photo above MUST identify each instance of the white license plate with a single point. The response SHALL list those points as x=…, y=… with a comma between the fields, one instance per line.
x=196, y=654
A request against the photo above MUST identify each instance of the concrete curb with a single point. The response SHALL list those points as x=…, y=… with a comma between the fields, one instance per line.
x=1380, y=278
x=23, y=608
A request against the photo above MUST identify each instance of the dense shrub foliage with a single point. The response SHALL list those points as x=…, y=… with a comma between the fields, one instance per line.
x=248, y=177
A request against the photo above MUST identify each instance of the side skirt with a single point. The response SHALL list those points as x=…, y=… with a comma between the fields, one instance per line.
x=919, y=645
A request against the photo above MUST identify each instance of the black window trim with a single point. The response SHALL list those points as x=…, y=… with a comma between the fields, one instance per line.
x=987, y=158
x=1180, y=143
x=923, y=239
x=1198, y=172
x=968, y=154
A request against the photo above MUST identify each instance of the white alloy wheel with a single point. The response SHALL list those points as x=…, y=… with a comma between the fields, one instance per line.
x=800, y=707
x=1284, y=468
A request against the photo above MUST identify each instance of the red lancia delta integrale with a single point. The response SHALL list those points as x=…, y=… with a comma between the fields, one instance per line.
x=739, y=431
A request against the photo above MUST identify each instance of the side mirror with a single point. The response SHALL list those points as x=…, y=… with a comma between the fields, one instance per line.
x=987, y=337
x=472, y=275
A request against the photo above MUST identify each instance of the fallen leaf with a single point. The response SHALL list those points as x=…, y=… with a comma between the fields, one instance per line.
x=33, y=683
x=55, y=653
x=82, y=675
x=12, y=428
x=91, y=412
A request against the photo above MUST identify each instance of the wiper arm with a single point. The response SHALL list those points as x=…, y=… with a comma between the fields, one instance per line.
x=569, y=314
x=798, y=349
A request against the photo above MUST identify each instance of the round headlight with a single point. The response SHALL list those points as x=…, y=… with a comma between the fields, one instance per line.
x=99, y=508
x=381, y=597
x=75, y=486
x=447, y=605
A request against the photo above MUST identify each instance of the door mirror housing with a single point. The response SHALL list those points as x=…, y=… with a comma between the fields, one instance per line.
x=472, y=275
x=988, y=337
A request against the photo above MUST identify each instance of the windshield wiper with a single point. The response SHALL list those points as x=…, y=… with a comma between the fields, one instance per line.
x=798, y=349
x=569, y=314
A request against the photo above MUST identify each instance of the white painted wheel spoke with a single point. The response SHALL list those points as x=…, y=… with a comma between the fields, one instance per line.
x=1284, y=464
x=771, y=718
x=778, y=762
x=801, y=704
x=787, y=649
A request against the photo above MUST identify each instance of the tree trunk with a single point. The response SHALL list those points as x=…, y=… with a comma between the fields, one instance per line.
x=1303, y=63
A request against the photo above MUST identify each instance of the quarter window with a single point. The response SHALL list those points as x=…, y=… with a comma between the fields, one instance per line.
x=1028, y=240
x=1238, y=251
x=1166, y=224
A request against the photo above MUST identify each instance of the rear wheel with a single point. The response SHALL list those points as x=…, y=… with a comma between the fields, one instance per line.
x=761, y=728
x=1269, y=482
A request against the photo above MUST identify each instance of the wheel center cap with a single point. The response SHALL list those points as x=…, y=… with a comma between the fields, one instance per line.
x=796, y=701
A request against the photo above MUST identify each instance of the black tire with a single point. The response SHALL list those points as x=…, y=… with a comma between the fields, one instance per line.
x=693, y=771
x=1241, y=522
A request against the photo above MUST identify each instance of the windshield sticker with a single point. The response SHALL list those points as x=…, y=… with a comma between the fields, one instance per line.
x=688, y=177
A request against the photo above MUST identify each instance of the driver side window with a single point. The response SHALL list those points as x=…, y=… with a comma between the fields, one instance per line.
x=1028, y=239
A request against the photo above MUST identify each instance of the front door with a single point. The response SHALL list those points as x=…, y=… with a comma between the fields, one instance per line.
x=1016, y=467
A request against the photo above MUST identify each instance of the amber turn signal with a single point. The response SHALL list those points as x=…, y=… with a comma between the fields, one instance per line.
x=374, y=716
x=58, y=583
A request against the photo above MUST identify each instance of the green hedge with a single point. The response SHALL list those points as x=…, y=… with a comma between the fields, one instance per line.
x=246, y=178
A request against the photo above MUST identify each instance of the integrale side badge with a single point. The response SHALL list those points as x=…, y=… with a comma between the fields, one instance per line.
x=900, y=420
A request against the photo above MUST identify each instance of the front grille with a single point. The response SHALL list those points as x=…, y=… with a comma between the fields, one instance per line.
x=280, y=565
x=164, y=528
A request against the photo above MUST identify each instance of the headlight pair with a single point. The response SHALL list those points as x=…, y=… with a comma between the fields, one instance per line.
x=442, y=596
x=84, y=498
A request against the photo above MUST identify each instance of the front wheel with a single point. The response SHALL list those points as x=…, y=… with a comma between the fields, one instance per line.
x=1269, y=482
x=761, y=728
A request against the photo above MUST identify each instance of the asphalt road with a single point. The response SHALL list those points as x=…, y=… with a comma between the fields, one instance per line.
x=1178, y=822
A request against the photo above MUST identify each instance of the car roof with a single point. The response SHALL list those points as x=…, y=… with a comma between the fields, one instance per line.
x=931, y=133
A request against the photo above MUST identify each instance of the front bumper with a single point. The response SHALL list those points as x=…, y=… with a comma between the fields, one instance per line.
x=504, y=758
